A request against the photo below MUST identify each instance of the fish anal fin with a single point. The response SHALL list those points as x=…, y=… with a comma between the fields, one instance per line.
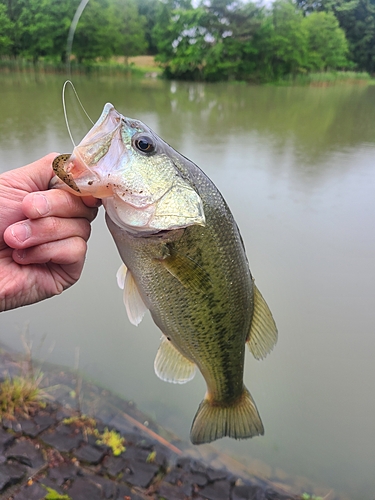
x=263, y=332
x=134, y=305
x=189, y=273
x=171, y=366
x=214, y=421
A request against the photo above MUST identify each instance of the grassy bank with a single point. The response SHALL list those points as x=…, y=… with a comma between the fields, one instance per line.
x=141, y=66
x=137, y=66
x=327, y=78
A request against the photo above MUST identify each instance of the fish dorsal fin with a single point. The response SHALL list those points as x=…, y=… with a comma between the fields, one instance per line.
x=190, y=274
x=263, y=332
x=171, y=366
x=135, y=307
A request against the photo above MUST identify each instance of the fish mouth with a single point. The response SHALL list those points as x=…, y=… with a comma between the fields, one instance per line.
x=139, y=193
x=84, y=170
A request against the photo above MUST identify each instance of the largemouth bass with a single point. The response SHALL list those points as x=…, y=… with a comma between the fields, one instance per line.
x=184, y=261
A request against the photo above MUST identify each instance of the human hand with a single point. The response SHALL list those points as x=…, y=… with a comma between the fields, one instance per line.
x=43, y=235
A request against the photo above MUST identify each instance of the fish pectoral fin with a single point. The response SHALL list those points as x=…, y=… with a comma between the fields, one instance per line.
x=239, y=420
x=171, y=366
x=190, y=274
x=135, y=307
x=263, y=332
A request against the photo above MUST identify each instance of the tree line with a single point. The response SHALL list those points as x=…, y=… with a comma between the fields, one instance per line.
x=211, y=40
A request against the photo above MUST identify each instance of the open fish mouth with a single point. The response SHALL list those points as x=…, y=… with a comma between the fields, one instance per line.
x=121, y=161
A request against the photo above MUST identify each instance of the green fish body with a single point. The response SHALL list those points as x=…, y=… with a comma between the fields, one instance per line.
x=184, y=261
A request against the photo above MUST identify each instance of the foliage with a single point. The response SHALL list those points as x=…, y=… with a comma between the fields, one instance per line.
x=307, y=496
x=113, y=440
x=357, y=19
x=207, y=40
x=328, y=47
x=225, y=40
x=21, y=396
x=128, y=29
x=54, y=495
x=6, y=29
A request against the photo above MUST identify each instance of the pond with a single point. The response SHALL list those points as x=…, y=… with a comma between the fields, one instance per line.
x=297, y=167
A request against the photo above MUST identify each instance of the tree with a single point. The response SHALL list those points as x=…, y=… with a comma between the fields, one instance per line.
x=45, y=26
x=127, y=29
x=327, y=45
x=290, y=39
x=93, y=37
x=357, y=19
x=6, y=28
x=148, y=10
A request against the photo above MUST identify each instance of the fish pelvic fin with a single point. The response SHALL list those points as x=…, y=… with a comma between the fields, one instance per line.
x=263, y=332
x=134, y=305
x=171, y=366
x=240, y=420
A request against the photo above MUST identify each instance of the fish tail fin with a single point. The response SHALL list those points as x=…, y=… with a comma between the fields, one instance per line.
x=240, y=420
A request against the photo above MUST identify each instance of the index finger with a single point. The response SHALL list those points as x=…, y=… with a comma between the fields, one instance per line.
x=57, y=203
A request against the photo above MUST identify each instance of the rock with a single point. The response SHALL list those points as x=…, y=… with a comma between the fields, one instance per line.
x=10, y=474
x=219, y=490
x=6, y=439
x=62, y=440
x=89, y=454
x=46, y=482
x=84, y=489
x=139, y=474
x=33, y=492
x=44, y=421
x=62, y=473
x=247, y=492
x=114, y=465
x=108, y=487
x=26, y=453
x=123, y=492
x=171, y=491
x=198, y=479
x=136, y=453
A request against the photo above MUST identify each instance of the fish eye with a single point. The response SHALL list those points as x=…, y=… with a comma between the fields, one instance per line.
x=144, y=144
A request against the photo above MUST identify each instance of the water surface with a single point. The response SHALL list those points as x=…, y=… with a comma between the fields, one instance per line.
x=296, y=166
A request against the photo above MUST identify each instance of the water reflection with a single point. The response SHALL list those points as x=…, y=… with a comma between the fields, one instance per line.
x=296, y=167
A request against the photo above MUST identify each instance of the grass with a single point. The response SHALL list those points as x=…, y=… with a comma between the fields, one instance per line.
x=20, y=396
x=326, y=78
x=137, y=66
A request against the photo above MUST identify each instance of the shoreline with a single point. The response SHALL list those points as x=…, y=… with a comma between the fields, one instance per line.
x=55, y=449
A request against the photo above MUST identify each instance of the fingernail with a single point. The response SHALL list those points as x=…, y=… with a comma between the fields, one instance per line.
x=41, y=205
x=21, y=232
x=21, y=254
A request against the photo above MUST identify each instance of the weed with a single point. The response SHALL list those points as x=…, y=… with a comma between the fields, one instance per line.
x=54, y=495
x=20, y=395
x=111, y=439
x=307, y=496
x=151, y=457
x=81, y=421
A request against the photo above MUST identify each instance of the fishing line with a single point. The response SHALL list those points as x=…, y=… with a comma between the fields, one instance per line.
x=68, y=82
x=72, y=30
x=69, y=45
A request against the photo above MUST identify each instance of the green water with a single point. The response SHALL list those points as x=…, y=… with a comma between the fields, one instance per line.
x=297, y=167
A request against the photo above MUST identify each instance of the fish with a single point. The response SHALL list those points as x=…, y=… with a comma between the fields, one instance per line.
x=183, y=260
